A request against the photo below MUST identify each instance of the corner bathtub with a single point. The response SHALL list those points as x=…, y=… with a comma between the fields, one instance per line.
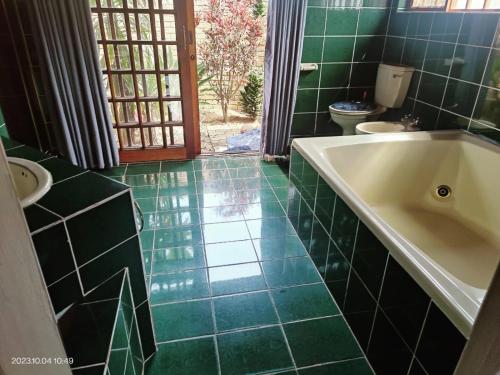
x=449, y=245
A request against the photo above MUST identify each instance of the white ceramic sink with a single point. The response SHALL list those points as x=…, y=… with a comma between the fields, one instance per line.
x=31, y=180
x=374, y=127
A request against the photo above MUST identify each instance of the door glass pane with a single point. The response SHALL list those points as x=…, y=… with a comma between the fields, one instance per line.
x=171, y=85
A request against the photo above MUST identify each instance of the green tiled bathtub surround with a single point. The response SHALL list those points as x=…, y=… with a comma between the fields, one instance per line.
x=455, y=54
x=228, y=285
x=389, y=313
x=342, y=40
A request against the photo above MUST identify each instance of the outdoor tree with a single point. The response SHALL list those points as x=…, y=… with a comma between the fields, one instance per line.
x=231, y=40
x=251, y=96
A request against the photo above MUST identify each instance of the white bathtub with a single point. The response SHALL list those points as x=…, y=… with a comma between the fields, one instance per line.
x=451, y=245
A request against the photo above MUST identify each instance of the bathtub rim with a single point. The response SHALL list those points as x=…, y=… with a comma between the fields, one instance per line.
x=457, y=305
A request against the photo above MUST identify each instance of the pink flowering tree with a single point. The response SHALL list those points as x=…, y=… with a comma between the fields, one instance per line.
x=228, y=52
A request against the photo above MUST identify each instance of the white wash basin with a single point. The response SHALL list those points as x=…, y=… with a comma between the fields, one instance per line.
x=374, y=127
x=31, y=180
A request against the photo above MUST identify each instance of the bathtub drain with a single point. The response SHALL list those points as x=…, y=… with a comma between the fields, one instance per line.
x=443, y=191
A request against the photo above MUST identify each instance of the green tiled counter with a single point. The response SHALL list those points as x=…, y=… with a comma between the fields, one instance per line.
x=84, y=232
x=396, y=323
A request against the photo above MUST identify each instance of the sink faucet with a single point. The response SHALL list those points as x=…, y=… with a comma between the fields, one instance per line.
x=411, y=123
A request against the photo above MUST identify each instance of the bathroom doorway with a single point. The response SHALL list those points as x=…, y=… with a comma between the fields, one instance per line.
x=230, y=73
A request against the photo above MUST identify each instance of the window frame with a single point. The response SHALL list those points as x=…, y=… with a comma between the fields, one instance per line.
x=448, y=9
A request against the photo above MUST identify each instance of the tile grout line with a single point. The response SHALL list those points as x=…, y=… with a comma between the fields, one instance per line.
x=320, y=69
x=414, y=354
x=210, y=291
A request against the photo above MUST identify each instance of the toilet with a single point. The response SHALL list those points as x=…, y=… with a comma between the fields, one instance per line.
x=390, y=91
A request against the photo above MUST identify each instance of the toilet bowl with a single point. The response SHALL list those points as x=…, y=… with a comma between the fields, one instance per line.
x=390, y=91
x=347, y=119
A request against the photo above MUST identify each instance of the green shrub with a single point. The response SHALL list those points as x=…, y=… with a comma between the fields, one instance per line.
x=251, y=96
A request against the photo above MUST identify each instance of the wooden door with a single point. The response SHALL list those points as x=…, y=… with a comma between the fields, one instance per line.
x=148, y=57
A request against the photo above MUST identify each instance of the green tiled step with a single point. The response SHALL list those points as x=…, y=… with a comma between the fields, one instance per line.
x=100, y=331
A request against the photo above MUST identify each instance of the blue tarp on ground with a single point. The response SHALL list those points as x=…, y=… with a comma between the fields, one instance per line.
x=247, y=141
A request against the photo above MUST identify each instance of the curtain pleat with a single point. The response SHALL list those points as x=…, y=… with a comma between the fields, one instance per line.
x=69, y=58
x=284, y=41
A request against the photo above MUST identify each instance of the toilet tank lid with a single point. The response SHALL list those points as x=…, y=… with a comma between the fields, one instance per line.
x=354, y=106
x=397, y=68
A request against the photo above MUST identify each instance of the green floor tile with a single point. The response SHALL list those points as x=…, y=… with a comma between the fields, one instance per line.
x=225, y=253
x=146, y=258
x=179, y=286
x=321, y=340
x=253, y=352
x=244, y=310
x=147, y=204
x=255, y=196
x=176, y=179
x=177, y=202
x=281, y=193
x=175, y=237
x=169, y=219
x=221, y=214
x=234, y=231
x=269, y=227
x=147, y=238
x=243, y=162
x=250, y=183
x=187, y=189
x=289, y=272
x=304, y=302
x=351, y=367
x=150, y=221
x=112, y=172
x=214, y=186
x=262, y=210
x=272, y=170
x=182, y=320
x=134, y=169
x=278, y=181
x=244, y=172
x=236, y=279
x=209, y=163
x=177, y=259
x=190, y=357
x=284, y=246
x=141, y=179
x=212, y=174
x=226, y=198
x=149, y=191
x=177, y=166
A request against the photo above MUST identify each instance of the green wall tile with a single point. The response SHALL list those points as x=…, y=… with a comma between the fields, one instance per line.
x=54, y=253
x=341, y=21
x=315, y=21
x=431, y=89
x=37, y=217
x=330, y=96
x=393, y=50
x=369, y=48
x=312, y=49
x=90, y=188
x=373, y=22
x=309, y=79
x=303, y=124
x=65, y=292
x=335, y=75
x=125, y=255
x=445, y=27
x=474, y=60
x=460, y=97
x=438, y=58
x=364, y=74
x=115, y=218
x=306, y=101
x=338, y=49
x=414, y=52
x=60, y=169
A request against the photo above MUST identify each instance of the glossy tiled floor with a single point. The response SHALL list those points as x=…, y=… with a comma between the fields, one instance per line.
x=232, y=288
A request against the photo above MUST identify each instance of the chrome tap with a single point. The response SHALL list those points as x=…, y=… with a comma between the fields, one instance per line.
x=411, y=123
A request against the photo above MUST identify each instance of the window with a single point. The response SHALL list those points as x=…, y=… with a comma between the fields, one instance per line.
x=456, y=5
x=139, y=60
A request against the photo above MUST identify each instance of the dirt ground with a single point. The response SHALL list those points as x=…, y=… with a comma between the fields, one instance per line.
x=214, y=131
